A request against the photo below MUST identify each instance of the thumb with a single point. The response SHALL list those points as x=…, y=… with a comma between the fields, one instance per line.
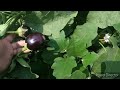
x=21, y=43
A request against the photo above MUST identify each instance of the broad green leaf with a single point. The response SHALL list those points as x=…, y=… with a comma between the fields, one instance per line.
x=60, y=43
x=81, y=39
x=89, y=59
x=63, y=67
x=58, y=23
x=23, y=62
x=81, y=73
x=22, y=73
x=50, y=22
x=117, y=27
x=78, y=75
x=104, y=18
x=38, y=14
x=114, y=41
x=47, y=16
x=34, y=21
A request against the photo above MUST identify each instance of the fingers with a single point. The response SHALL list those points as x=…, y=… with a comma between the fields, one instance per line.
x=21, y=43
x=16, y=46
x=17, y=51
x=10, y=37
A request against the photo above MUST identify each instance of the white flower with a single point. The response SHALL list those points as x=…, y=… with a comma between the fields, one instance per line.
x=106, y=37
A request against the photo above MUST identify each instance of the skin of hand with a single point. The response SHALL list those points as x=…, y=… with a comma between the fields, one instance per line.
x=7, y=50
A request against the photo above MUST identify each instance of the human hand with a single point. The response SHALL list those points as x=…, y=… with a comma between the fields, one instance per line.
x=8, y=50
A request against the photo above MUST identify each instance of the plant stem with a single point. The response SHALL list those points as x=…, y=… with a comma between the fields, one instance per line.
x=102, y=46
x=15, y=32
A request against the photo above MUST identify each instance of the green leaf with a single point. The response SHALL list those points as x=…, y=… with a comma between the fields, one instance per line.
x=103, y=18
x=22, y=73
x=4, y=27
x=59, y=21
x=114, y=41
x=63, y=67
x=52, y=22
x=34, y=21
x=81, y=39
x=60, y=43
x=47, y=16
x=38, y=14
x=78, y=75
x=89, y=59
x=23, y=62
x=81, y=73
x=12, y=66
x=49, y=22
x=117, y=27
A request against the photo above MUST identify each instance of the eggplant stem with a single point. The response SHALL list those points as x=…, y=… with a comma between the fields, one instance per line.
x=15, y=32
